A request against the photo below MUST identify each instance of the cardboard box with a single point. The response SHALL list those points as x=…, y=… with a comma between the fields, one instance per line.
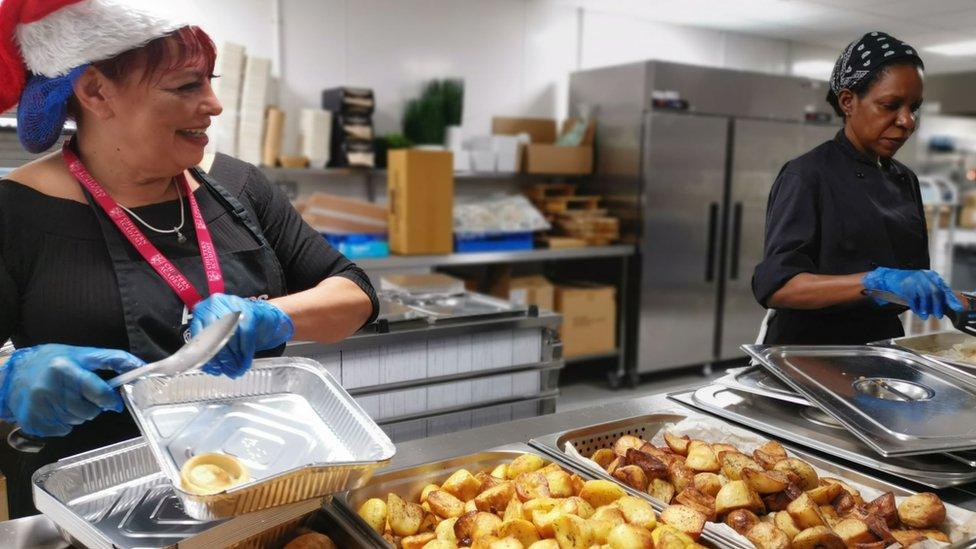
x=589, y=318
x=525, y=290
x=420, y=185
x=542, y=155
x=337, y=215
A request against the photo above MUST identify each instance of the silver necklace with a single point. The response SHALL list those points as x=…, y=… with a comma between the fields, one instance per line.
x=177, y=229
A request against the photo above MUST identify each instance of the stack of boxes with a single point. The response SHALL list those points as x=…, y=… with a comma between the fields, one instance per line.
x=578, y=220
x=352, y=126
x=254, y=100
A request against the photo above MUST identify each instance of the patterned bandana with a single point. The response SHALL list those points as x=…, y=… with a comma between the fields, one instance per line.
x=866, y=55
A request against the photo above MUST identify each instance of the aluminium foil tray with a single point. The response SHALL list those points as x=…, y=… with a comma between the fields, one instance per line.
x=297, y=432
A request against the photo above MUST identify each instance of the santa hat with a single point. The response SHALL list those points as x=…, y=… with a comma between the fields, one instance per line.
x=46, y=44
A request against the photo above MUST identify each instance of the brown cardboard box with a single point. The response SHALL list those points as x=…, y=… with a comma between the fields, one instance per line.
x=543, y=155
x=332, y=214
x=420, y=185
x=526, y=290
x=589, y=318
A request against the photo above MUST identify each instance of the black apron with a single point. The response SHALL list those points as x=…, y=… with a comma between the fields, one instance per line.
x=156, y=326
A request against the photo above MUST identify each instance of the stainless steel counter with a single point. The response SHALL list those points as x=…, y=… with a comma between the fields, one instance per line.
x=39, y=532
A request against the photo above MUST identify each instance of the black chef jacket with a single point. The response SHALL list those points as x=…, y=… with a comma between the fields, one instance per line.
x=834, y=211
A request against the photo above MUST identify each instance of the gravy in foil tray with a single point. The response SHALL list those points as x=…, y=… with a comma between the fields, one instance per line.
x=753, y=487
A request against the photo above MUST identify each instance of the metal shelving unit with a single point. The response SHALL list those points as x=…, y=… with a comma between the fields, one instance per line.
x=486, y=258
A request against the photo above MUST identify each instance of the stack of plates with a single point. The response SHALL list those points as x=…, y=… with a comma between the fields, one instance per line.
x=254, y=99
x=889, y=409
x=230, y=67
x=316, y=134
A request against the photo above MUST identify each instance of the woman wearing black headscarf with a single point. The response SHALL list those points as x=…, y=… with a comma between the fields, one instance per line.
x=846, y=216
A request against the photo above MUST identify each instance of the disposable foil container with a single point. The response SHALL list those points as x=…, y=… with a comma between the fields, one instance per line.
x=298, y=433
x=116, y=497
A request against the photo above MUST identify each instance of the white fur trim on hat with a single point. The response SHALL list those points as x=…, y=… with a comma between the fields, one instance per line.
x=90, y=31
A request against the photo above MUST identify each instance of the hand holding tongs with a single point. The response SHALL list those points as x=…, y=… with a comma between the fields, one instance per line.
x=964, y=321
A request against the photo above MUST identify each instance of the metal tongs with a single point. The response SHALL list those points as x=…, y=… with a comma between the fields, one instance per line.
x=964, y=321
x=194, y=354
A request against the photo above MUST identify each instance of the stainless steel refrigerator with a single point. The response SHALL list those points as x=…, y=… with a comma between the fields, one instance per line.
x=691, y=187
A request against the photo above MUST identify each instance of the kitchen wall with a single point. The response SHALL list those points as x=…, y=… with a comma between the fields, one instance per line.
x=514, y=55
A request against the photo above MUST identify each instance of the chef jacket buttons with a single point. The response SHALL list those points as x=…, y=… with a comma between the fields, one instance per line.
x=860, y=175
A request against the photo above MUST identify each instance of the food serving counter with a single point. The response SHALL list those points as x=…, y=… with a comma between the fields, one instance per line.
x=40, y=532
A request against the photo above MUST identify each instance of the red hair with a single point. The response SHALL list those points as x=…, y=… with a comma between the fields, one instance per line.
x=188, y=47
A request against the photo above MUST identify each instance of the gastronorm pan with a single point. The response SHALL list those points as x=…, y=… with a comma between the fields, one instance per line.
x=897, y=402
x=929, y=345
x=586, y=440
x=407, y=483
x=298, y=433
x=811, y=428
x=755, y=380
x=116, y=497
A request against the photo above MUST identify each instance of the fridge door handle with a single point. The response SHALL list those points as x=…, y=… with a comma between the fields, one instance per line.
x=736, y=241
x=712, y=238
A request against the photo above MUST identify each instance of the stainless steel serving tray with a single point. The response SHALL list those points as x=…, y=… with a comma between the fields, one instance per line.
x=298, y=433
x=462, y=306
x=116, y=497
x=897, y=402
x=930, y=344
x=755, y=380
x=408, y=482
x=810, y=428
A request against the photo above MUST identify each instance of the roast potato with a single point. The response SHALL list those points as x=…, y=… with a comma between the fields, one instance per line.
x=628, y=536
x=769, y=454
x=544, y=544
x=440, y=544
x=703, y=503
x=637, y=512
x=531, y=485
x=884, y=507
x=678, y=444
x=721, y=447
x=741, y=520
x=780, y=500
x=806, y=476
x=603, y=457
x=311, y=540
x=495, y=500
x=520, y=529
x=525, y=463
x=560, y=483
x=627, y=441
x=652, y=466
x=373, y=512
x=444, y=504
x=462, y=485
x=923, y=510
x=805, y=512
x=767, y=536
x=737, y=495
x=426, y=491
x=632, y=476
x=853, y=531
x=514, y=509
x=486, y=481
x=733, y=463
x=661, y=490
x=684, y=519
x=907, y=538
x=445, y=530
x=708, y=483
x=428, y=523
x=500, y=471
x=404, y=517
x=417, y=541
x=475, y=525
x=601, y=492
x=572, y=532
x=765, y=482
x=826, y=494
x=818, y=537
x=702, y=458
x=784, y=521
x=576, y=506
x=665, y=533
x=680, y=476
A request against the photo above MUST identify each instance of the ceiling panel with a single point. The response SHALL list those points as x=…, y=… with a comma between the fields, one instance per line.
x=920, y=11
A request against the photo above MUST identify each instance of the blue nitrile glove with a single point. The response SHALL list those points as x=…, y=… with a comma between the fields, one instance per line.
x=924, y=291
x=48, y=389
x=262, y=326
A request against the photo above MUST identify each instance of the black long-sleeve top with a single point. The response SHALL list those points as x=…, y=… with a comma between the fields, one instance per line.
x=57, y=282
x=834, y=211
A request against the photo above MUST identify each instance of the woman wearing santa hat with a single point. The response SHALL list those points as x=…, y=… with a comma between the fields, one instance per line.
x=116, y=248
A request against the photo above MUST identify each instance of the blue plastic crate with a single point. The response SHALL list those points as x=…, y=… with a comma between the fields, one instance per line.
x=360, y=246
x=501, y=242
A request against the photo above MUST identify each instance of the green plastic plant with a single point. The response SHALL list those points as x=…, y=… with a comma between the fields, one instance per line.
x=439, y=106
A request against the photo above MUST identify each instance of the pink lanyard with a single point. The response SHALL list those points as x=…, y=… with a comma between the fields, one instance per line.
x=172, y=275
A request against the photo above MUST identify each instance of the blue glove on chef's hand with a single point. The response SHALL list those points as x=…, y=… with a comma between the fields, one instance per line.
x=925, y=291
x=48, y=389
x=262, y=326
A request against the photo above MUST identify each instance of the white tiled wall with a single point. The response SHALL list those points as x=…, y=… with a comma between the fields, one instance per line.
x=515, y=55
